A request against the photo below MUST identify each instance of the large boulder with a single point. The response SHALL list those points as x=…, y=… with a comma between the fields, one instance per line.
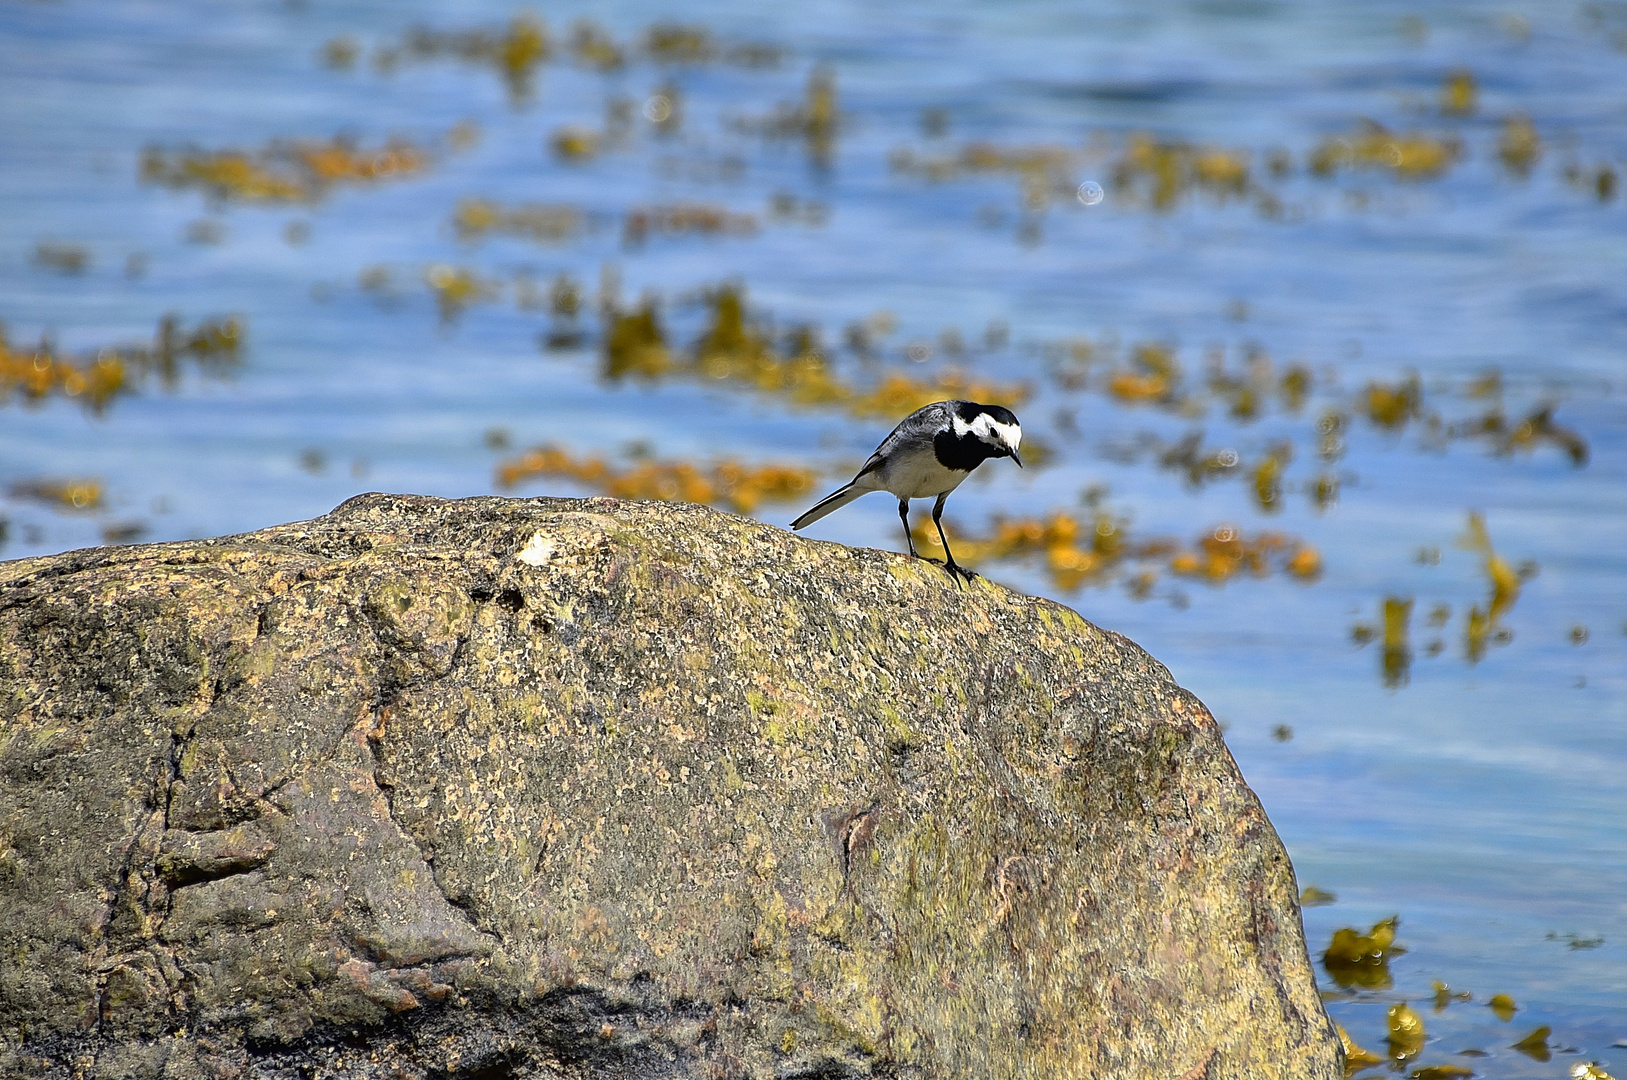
x=542, y=787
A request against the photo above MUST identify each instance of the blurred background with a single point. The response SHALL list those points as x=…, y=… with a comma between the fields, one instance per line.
x=1315, y=315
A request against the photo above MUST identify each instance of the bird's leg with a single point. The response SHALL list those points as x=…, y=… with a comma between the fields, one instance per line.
x=956, y=570
x=904, y=516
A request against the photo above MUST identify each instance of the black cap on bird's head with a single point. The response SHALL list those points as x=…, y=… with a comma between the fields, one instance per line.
x=994, y=425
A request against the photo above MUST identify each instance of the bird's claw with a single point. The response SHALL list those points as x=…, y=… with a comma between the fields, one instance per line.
x=954, y=569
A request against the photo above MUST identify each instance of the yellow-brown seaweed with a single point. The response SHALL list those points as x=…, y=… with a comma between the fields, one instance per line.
x=727, y=483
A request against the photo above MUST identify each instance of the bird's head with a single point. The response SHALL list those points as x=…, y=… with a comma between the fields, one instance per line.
x=994, y=425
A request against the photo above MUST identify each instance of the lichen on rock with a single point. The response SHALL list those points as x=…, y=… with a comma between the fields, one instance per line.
x=546, y=787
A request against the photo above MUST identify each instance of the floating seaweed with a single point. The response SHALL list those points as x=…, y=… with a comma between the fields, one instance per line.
x=1393, y=405
x=1395, y=661
x=1150, y=373
x=457, y=287
x=1406, y=1032
x=284, y=171
x=545, y=223
x=1267, y=489
x=727, y=483
x=1589, y=1070
x=62, y=258
x=784, y=207
x=74, y=496
x=576, y=143
x=1445, y=995
x=1535, y=1045
x=1539, y=427
x=1503, y=1007
x=514, y=52
x=677, y=219
x=1045, y=171
x=1504, y=582
x=340, y=53
x=1439, y=1072
x=213, y=346
x=123, y=532
x=677, y=43
x=732, y=351
x=1362, y=961
x=1519, y=145
x=1160, y=173
x=1356, y=1059
x=1311, y=896
x=691, y=46
x=1410, y=156
x=591, y=45
x=1460, y=93
x=816, y=119
x=1600, y=180
x=1078, y=551
x=1154, y=172
x=1197, y=464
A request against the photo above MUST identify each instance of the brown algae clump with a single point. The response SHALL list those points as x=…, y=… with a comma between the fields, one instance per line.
x=728, y=483
x=513, y=51
x=1395, y=660
x=816, y=119
x=70, y=260
x=1356, y=1058
x=634, y=344
x=1460, y=93
x=678, y=219
x=214, y=346
x=1152, y=374
x=545, y=223
x=457, y=287
x=1391, y=406
x=574, y=143
x=1078, y=551
x=731, y=350
x=67, y=495
x=36, y=374
x=1358, y=960
x=1411, y=156
x=677, y=43
x=1406, y=1032
x=1505, y=582
x=1535, y=1045
x=284, y=171
x=1161, y=173
x=1519, y=146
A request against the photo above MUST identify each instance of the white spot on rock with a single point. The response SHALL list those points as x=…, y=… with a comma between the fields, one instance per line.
x=537, y=551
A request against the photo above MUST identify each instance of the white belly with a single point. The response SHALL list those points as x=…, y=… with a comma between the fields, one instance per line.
x=919, y=478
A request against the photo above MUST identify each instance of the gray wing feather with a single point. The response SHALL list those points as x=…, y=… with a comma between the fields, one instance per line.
x=924, y=422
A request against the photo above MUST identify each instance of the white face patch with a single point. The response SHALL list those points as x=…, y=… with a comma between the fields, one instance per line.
x=990, y=430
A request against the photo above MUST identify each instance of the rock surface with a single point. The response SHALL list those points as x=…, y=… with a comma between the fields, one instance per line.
x=532, y=788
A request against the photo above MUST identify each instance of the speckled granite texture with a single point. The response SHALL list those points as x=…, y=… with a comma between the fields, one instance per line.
x=502, y=788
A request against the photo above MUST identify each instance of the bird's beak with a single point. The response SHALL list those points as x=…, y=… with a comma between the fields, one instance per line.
x=1017, y=459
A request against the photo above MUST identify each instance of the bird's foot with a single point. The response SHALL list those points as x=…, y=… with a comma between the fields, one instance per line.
x=957, y=572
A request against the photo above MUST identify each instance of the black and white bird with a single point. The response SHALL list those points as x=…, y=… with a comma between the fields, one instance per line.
x=928, y=454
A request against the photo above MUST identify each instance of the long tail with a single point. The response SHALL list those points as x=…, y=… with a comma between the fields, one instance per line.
x=834, y=501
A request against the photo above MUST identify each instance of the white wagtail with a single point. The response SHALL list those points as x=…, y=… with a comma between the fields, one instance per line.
x=929, y=453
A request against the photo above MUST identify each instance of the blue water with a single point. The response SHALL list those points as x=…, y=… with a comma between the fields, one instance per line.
x=1482, y=802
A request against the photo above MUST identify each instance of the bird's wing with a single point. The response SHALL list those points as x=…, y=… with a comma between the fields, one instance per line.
x=877, y=460
x=923, y=423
